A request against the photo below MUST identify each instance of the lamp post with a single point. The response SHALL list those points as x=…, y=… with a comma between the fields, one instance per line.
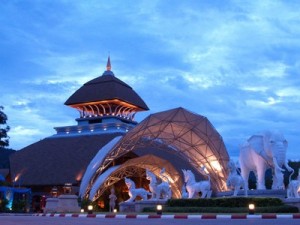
x=251, y=209
x=159, y=209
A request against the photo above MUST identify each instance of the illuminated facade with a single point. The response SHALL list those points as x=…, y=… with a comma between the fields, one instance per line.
x=175, y=139
x=107, y=144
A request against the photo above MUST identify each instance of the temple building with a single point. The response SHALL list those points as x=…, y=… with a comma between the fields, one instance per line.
x=107, y=144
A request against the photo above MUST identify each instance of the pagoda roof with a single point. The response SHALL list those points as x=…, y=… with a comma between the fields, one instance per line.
x=105, y=88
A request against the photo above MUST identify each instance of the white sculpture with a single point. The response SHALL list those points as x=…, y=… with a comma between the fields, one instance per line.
x=263, y=151
x=235, y=180
x=184, y=193
x=133, y=192
x=193, y=187
x=112, y=200
x=158, y=191
x=294, y=187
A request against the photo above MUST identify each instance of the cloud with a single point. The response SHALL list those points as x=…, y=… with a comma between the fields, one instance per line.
x=236, y=63
x=22, y=131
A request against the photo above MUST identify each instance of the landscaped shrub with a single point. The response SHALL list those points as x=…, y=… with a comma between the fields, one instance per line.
x=225, y=202
x=226, y=205
x=19, y=206
x=273, y=209
x=3, y=204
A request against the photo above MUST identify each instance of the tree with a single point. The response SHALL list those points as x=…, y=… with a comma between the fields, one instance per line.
x=4, y=138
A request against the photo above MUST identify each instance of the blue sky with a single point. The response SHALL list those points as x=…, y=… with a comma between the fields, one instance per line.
x=235, y=62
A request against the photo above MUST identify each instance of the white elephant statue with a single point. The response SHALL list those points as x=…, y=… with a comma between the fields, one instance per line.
x=263, y=151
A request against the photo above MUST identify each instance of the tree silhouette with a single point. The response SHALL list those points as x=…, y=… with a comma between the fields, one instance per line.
x=4, y=138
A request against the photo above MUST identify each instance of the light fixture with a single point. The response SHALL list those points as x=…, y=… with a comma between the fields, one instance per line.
x=82, y=210
x=158, y=209
x=115, y=210
x=67, y=188
x=54, y=192
x=251, y=209
x=90, y=209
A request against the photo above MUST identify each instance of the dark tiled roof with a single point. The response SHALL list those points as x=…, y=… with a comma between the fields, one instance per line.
x=106, y=87
x=4, y=157
x=55, y=161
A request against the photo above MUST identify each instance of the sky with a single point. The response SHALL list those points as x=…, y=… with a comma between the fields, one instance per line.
x=236, y=62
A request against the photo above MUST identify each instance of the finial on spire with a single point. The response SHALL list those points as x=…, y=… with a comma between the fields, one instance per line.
x=108, y=65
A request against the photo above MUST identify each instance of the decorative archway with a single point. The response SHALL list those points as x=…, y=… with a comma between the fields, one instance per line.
x=136, y=167
x=189, y=136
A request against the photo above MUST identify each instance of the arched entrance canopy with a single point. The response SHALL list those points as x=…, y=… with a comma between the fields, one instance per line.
x=136, y=168
x=190, y=136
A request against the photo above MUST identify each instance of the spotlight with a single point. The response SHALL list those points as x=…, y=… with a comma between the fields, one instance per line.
x=251, y=209
x=115, y=210
x=159, y=209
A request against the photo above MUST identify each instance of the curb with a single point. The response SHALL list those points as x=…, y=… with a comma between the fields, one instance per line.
x=179, y=216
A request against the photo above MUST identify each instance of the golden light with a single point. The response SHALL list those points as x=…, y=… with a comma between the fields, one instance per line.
x=17, y=177
x=216, y=165
x=158, y=209
x=79, y=175
x=251, y=208
x=90, y=209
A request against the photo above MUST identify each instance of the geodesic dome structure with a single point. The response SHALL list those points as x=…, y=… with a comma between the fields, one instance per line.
x=183, y=139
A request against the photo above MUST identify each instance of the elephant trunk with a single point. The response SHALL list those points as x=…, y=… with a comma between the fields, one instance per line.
x=277, y=167
x=279, y=158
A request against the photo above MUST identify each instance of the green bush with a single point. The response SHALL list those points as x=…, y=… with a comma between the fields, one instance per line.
x=3, y=204
x=19, y=206
x=225, y=202
x=273, y=209
x=84, y=203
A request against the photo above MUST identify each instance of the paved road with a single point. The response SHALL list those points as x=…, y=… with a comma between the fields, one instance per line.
x=32, y=220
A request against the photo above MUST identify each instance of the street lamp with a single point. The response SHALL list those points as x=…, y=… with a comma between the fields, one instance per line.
x=251, y=209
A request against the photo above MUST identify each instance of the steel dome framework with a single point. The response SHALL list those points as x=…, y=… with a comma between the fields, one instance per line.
x=189, y=136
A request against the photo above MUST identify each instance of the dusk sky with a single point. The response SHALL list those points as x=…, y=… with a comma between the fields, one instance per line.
x=235, y=62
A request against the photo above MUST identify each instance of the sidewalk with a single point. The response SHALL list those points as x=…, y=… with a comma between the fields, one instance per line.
x=174, y=216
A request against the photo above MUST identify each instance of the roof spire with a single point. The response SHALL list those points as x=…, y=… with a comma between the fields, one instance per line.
x=108, y=65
